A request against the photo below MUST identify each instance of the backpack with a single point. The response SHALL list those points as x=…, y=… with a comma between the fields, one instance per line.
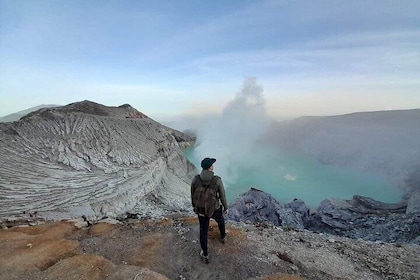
x=205, y=197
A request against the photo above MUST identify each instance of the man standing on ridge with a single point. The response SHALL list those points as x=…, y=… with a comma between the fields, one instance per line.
x=209, y=201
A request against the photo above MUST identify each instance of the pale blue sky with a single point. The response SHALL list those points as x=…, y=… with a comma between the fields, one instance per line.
x=169, y=58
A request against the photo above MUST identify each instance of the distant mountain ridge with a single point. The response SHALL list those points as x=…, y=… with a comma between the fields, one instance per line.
x=16, y=116
x=93, y=160
x=384, y=143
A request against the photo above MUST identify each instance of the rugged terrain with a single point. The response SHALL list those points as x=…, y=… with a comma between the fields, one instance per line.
x=86, y=159
x=358, y=218
x=168, y=249
x=85, y=165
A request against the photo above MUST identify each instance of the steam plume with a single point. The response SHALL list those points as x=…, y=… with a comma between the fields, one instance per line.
x=230, y=137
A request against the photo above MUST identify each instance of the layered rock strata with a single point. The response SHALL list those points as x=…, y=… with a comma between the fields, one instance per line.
x=91, y=160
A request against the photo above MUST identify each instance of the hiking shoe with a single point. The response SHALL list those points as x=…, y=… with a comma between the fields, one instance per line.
x=205, y=259
x=224, y=239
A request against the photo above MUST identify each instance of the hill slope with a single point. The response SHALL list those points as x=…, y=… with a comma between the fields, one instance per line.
x=89, y=159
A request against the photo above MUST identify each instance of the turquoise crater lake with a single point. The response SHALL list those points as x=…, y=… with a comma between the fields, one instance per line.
x=287, y=176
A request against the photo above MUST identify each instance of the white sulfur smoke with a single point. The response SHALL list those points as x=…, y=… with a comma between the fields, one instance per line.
x=231, y=137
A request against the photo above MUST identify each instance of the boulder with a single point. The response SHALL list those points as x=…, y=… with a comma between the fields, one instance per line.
x=258, y=206
x=290, y=218
x=336, y=213
x=299, y=206
x=255, y=206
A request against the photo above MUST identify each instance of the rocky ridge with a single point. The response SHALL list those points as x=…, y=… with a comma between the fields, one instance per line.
x=87, y=159
x=358, y=218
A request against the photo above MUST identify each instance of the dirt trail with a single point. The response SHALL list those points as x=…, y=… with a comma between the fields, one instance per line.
x=171, y=248
x=168, y=249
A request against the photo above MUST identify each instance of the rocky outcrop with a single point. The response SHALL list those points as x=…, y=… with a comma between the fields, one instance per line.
x=295, y=214
x=257, y=206
x=363, y=217
x=92, y=160
x=360, y=217
x=338, y=213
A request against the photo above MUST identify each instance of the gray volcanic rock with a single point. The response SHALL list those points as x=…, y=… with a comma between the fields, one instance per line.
x=290, y=219
x=363, y=217
x=393, y=227
x=89, y=159
x=386, y=144
x=260, y=207
x=295, y=214
x=255, y=206
x=358, y=218
x=338, y=213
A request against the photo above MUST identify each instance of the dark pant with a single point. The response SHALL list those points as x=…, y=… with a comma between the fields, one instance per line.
x=204, y=227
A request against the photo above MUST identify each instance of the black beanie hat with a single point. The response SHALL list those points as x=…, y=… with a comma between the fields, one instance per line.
x=207, y=162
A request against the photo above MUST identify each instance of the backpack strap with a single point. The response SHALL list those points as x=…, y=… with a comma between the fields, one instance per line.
x=198, y=184
x=198, y=181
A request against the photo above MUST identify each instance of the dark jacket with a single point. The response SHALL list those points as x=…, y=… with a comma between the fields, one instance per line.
x=206, y=176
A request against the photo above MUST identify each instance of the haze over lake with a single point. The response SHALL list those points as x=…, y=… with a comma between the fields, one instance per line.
x=252, y=151
x=287, y=176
